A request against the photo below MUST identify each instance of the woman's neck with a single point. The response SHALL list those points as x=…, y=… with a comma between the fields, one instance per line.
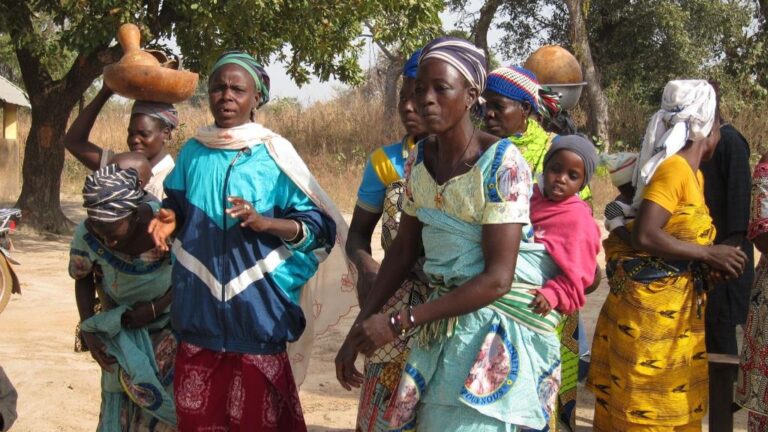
x=692, y=153
x=158, y=157
x=454, y=143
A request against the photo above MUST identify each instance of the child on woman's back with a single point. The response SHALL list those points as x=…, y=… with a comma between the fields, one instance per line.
x=563, y=223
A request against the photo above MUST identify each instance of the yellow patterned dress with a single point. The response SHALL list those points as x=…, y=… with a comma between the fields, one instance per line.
x=649, y=362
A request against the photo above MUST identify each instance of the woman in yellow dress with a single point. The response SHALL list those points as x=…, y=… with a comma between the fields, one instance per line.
x=649, y=362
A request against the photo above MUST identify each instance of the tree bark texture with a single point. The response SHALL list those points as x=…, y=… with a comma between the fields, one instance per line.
x=597, y=115
x=483, y=24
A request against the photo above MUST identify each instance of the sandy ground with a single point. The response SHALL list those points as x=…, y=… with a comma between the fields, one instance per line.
x=59, y=389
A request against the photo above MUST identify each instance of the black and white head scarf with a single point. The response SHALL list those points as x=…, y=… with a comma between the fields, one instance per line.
x=111, y=193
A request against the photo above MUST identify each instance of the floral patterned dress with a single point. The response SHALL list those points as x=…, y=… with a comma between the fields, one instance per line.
x=497, y=368
x=752, y=387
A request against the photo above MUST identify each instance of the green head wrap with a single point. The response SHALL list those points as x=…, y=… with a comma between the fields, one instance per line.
x=253, y=67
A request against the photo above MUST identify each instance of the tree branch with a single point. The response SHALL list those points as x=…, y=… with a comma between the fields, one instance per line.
x=483, y=23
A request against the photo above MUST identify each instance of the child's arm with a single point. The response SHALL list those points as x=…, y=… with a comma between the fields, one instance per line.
x=615, y=214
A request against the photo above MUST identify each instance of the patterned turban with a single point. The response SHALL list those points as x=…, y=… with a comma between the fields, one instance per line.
x=521, y=85
x=468, y=59
x=164, y=112
x=111, y=194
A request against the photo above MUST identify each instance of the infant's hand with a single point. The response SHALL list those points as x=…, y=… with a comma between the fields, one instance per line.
x=540, y=304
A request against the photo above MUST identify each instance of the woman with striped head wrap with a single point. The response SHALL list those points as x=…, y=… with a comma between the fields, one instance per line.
x=484, y=361
x=149, y=130
x=251, y=227
x=380, y=198
x=132, y=331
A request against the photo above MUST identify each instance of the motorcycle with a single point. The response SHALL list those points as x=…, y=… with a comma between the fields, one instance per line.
x=9, y=283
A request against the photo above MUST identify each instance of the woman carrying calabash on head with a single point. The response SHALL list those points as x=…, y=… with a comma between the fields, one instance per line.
x=149, y=130
x=251, y=226
x=380, y=197
x=649, y=363
x=483, y=360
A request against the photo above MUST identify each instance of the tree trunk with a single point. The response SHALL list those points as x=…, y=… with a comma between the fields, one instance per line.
x=391, y=79
x=483, y=24
x=43, y=162
x=52, y=101
x=597, y=115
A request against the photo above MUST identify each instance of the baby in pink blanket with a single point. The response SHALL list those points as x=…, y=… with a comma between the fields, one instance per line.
x=563, y=223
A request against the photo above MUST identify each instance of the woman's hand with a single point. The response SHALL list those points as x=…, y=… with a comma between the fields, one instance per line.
x=98, y=351
x=346, y=372
x=244, y=211
x=540, y=304
x=140, y=315
x=728, y=259
x=372, y=334
x=162, y=228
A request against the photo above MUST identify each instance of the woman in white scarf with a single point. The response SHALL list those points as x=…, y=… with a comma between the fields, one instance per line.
x=688, y=109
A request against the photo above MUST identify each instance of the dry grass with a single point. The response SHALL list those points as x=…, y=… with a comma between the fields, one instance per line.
x=335, y=137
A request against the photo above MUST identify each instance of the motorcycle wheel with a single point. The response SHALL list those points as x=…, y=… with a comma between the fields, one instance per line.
x=6, y=283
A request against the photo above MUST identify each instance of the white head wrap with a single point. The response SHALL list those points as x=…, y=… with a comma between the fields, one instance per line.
x=621, y=166
x=687, y=113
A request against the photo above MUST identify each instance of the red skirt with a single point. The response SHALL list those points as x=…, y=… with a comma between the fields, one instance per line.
x=235, y=392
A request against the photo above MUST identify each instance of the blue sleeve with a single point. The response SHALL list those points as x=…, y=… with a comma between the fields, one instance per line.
x=175, y=186
x=371, y=193
x=319, y=228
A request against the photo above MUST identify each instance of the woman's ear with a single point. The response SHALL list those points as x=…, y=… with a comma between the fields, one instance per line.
x=472, y=96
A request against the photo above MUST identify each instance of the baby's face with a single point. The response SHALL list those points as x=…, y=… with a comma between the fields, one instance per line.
x=563, y=175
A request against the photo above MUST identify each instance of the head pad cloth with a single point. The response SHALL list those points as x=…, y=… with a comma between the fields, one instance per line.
x=468, y=59
x=688, y=109
x=162, y=111
x=111, y=194
x=620, y=166
x=520, y=84
x=252, y=66
x=580, y=145
x=412, y=65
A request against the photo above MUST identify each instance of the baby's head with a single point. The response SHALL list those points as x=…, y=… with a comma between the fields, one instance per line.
x=136, y=161
x=621, y=166
x=568, y=166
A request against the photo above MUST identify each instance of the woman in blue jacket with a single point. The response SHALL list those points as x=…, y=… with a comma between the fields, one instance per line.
x=248, y=236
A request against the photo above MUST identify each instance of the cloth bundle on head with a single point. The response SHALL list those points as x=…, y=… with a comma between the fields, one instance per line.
x=111, y=194
x=412, y=65
x=580, y=145
x=468, y=59
x=688, y=109
x=162, y=111
x=621, y=166
x=251, y=65
x=520, y=84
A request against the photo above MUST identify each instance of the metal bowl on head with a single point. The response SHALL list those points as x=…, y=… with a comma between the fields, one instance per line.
x=569, y=93
x=139, y=75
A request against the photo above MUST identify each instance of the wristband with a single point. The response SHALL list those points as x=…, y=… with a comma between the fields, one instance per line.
x=298, y=232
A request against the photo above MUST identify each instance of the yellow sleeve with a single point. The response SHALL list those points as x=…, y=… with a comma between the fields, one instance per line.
x=667, y=186
x=383, y=167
